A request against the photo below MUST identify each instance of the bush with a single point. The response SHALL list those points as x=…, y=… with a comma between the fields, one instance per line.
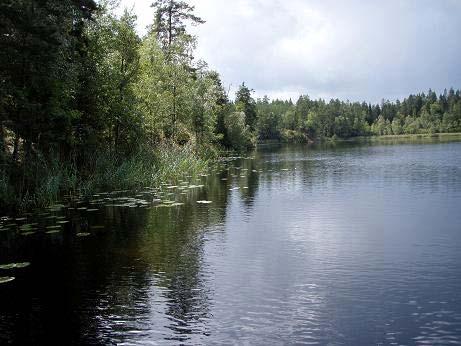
x=238, y=134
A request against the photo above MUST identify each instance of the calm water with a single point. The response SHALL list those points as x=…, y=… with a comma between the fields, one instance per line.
x=348, y=244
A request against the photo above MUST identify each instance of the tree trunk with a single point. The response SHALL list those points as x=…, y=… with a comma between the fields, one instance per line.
x=170, y=25
x=2, y=140
x=16, y=148
x=174, y=110
x=117, y=135
x=27, y=150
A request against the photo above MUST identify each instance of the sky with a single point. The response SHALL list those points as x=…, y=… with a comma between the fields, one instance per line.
x=352, y=50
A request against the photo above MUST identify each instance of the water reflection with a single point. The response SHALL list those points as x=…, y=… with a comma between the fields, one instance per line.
x=340, y=243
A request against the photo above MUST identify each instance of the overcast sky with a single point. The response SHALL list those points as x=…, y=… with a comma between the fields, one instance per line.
x=356, y=50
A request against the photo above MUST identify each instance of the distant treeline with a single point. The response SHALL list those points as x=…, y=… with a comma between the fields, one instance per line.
x=84, y=98
x=313, y=119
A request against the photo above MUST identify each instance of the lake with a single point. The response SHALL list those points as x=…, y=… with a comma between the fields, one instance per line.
x=349, y=243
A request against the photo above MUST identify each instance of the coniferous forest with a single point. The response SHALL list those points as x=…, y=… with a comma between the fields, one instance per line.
x=86, y=103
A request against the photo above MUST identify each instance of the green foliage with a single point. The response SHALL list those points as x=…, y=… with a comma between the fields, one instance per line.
x=85, y=103
x=316, y=119
x=246, y=104
x=238, y=133
x=170, y=22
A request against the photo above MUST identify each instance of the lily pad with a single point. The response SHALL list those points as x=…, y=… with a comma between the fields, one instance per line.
x=54, y=227
x=28, y=233
x=5, y=279
x=83, y=234
x=98, y=227
x=56, y=206
x=10, y=266
x=27, y=227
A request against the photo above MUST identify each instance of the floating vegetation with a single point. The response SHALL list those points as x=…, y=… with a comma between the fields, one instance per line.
x=55, y=231
x=62, y=222
x=27, y=227
x=169, y=205
x=56, y=207
x=5, y=279
x=204, y=202
x=196, y=186
x=54, y=227
x=98, y=227
x=28, y=233
x=10, y=266
x=83, y=234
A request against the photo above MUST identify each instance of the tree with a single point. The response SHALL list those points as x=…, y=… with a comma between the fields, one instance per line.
x=210, y=103
x=246, y=104
x=42, y=43
x=170, y=21
x=238, y=133
x=115, y=47
x=169, y=29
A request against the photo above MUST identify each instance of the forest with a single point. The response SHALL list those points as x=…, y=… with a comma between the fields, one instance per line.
x=310, y=120
x=88, y=104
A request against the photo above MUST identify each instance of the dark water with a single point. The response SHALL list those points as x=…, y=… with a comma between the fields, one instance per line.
x=348, y=244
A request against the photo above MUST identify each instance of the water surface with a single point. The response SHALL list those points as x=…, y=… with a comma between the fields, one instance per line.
x=342, y=244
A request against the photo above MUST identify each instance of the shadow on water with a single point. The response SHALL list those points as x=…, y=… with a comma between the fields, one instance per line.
x=133, y=272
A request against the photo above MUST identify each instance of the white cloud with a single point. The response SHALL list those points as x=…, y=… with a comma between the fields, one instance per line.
x=348, y=49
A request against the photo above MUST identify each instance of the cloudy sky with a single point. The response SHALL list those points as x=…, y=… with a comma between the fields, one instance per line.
x=356, y=50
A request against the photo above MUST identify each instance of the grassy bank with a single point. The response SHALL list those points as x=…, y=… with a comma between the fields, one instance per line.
x=300, y=139
x=44, y=182
x=373, y=138
x=416, y=136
